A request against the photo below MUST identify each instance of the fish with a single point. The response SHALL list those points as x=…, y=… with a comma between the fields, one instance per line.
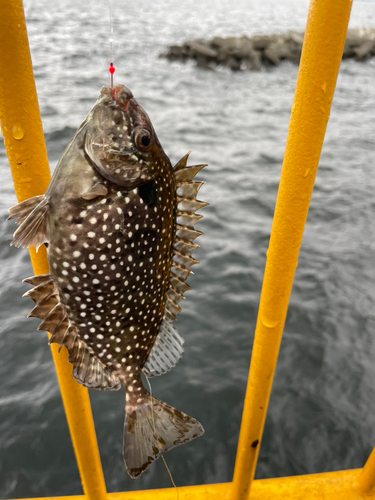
x=118, y=222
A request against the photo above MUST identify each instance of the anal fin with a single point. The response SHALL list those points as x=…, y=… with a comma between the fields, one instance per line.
x=87, y=369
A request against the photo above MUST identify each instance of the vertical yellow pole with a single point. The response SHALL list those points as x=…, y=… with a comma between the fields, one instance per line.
x=366, y=481
x=21, y=127
x=321, y=56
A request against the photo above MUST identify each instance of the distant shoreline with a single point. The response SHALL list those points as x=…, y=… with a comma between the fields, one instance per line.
x=251, y=53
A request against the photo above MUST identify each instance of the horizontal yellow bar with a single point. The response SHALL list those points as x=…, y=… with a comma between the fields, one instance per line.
x=366, y=481
x=329, y=486
x=21, y=127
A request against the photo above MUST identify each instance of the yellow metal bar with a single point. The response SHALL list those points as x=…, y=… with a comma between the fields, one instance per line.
x=332, y=486
x=366, y=481
x=320, y=61
x=24, y=141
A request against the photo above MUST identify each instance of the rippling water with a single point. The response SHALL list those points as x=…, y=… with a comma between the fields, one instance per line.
x=323, y=399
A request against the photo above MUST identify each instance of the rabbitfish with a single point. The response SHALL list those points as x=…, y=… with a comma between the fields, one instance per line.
x=118, y=222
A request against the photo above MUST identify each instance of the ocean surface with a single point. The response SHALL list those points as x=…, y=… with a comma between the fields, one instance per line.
x=322, y=407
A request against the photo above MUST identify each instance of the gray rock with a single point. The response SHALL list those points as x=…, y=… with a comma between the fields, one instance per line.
x=223, y=55
x=242, y=52
x=245, y=48
x=276, y=52
x=233, y=64
x=175, y=52
x=252, y=62
x=202, y=63
x=217, y=42
x=296, y=37
x=261, y=42
x=199, y=48
x=353, y=40
x=293, y=51
x=365, y=50
x=256, y=60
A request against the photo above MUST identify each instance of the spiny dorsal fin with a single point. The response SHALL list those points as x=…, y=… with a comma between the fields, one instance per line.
x=87, y=369
x=190, y=206
x=185, y=247
x=187, y=174
x=188, y=220
x=182, y=162
x=188, y=189
x=186, y=233
x=33, y=215
x=168, y=346
x=180, y=273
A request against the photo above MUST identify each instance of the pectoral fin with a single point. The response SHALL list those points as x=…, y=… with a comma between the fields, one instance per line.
x=96, y=190
x=33, y=217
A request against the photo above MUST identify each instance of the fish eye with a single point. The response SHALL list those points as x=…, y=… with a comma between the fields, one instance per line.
x=143, y=139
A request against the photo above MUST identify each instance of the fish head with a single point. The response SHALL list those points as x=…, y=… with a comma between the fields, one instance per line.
x=120, y=141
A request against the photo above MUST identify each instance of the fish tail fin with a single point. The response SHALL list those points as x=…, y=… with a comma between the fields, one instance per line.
x=152, y=428
x=32, y=216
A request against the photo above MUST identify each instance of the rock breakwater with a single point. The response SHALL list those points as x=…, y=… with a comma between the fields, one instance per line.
x=251, y=53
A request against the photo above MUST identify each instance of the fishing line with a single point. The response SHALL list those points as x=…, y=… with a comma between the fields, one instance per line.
x=111, y=68
x=170, y=475
x=165, y=463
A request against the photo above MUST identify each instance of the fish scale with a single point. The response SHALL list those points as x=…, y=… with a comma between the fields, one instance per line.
x=119, y=225
x=120, y=273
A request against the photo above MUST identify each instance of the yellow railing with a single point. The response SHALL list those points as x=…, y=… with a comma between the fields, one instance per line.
x=23, y=137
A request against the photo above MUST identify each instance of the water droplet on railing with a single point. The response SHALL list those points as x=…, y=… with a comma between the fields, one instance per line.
x=269, y=322
x=17, y=132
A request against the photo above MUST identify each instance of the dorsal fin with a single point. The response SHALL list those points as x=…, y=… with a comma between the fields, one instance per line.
x=87, y=369
x=166, y=351
x=168, y=345
x=33, y=217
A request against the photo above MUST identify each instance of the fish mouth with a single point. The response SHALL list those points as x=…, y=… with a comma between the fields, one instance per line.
x=120, y=94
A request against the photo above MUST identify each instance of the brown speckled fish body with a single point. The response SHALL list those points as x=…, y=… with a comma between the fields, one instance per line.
x=118, y=222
